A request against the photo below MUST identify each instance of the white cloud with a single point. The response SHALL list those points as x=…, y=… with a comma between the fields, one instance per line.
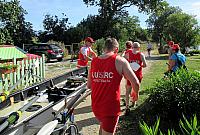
x=196, y=5
x=196, y=9
x=192, y=8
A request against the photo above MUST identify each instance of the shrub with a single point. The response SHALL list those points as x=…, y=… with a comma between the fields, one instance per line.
x=187, y=127
x=7, y=66
x=176, y=95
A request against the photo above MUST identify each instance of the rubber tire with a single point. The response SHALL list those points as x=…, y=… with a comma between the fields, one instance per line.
x=60, y=59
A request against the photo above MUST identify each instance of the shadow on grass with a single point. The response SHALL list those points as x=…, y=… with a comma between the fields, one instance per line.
x=158, y=57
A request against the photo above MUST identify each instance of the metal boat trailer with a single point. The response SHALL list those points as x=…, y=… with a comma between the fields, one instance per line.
x=50, y=111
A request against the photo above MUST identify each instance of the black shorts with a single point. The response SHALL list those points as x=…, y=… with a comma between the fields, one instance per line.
x=149, y=49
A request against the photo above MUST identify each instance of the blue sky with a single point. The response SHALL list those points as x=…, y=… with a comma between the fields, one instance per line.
x=76, y=10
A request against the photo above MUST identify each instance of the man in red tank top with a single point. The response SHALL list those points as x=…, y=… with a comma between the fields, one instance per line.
x=85, y=52
x=104, y=79
x=137, y=62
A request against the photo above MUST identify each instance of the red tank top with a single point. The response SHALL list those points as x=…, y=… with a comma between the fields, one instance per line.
x=128, y=50
x=82, y=61
x=135, y=58
x=105, y=86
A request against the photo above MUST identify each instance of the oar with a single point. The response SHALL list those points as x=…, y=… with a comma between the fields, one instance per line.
x=14, y=116
x=76, y=101
x=48, y=128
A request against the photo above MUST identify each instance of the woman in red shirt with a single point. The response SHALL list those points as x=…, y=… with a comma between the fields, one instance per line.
x=104, y=80
x=129, y=45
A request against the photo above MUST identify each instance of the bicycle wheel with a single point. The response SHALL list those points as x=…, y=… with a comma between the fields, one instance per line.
x=72, y=129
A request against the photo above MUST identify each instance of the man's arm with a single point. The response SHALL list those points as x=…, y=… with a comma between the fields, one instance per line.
x=143, y=60
x=87, y=56
x=94, y=55
x=89, y=79
x=126, y=56
x=172, y=62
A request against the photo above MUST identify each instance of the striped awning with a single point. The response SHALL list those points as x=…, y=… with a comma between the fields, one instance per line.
x=10, y=52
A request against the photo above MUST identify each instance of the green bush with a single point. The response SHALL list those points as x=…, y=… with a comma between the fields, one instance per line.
x=187, y=127
x=170, y=97
x=7, y=66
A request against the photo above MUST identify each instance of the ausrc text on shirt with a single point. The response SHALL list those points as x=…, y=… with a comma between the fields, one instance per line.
x=102, y=75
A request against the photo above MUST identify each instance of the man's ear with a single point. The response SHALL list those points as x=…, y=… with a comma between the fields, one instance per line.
x=116, y=50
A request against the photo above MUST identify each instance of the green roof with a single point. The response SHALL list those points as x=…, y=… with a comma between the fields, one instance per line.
x=10, y=52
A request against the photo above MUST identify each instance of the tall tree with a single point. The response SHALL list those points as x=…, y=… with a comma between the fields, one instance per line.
x=111, y=10
x=55, y=27
x=157, y=20
x=128, y=28
x=13, y=26
x=93, y=26
x=183, y=29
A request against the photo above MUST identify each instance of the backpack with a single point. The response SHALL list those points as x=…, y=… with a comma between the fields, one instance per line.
x=180, y=64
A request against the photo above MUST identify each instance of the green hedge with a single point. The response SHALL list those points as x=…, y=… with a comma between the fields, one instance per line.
x=170, y=97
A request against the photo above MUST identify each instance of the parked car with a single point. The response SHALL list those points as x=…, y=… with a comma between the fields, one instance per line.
x=29, y=55
x=51, y=51
x=163, y=49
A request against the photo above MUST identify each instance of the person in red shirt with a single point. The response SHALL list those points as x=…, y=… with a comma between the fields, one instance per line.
x=104, y=79
x=137, y=62
x=85, y=52
x=129, y=45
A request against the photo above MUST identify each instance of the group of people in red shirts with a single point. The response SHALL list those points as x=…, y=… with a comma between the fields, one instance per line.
x=104, y=77
x=106, y=72
x=137, y=61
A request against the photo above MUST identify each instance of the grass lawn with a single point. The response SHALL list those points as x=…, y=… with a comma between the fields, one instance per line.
x=129, y=124
x=193, y=62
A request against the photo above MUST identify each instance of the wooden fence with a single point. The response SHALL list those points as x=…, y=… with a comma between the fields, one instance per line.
x=27, y=73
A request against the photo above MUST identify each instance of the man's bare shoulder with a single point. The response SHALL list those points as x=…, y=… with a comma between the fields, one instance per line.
x=120, y=58
x=142, y=54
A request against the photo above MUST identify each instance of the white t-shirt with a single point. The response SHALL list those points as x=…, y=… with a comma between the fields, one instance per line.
x=149, y=46
x=84, y=50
